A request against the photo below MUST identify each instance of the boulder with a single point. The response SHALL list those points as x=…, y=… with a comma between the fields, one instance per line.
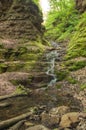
x=60, y=110
x=69, y=119
x=49, y=119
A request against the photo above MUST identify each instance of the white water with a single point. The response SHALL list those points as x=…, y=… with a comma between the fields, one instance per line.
x=51, y=57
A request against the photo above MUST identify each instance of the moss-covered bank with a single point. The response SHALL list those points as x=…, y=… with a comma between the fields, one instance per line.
x=77, y=45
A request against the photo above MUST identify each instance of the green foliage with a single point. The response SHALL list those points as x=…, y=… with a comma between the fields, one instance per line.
x=83, y=86
x=77, y=45
x=61, y=20
x=75, y=65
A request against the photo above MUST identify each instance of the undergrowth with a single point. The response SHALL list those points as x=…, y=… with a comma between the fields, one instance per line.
x=77, y=45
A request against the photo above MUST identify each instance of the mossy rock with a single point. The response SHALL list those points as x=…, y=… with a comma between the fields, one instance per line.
x=17, y=66
x=10, y=54
x=25, y=82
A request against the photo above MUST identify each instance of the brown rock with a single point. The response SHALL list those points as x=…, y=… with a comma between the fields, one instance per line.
x=68, y=119
x=81, y=5
x=60, y=110
x=28, y=124
x=38, y=127
x=20, y=19
x=49, y=119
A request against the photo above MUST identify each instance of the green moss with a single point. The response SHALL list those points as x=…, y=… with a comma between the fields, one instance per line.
x=10, y=54
x=28, y=66
x=83, y=86
x=2, y=51
x=15, y=67
x=3, y=67
x=21, y=58
x=25, y=82
x=20, y=90
x=29, y=57
x=61, y=75
x=71, y=80
x=58, y=86
x=75, y=65
x=20, y=66
x=1, y=46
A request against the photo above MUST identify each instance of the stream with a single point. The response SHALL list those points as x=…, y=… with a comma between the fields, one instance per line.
x=51, y=57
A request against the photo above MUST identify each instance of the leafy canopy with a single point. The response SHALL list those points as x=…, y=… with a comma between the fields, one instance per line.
x=61, y=20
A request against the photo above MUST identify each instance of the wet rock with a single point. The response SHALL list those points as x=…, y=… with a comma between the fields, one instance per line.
x=3, y=105
x=67, y=129
x=38, y=127
x=53, y=116
x=60, y=110
x=49, y=119
x=28, y=124
x=69, y=119
x=82, y=125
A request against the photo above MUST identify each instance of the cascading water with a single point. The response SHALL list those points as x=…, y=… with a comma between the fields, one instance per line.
x=51, y=56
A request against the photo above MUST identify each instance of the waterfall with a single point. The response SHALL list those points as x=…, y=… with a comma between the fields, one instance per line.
x=51, y=56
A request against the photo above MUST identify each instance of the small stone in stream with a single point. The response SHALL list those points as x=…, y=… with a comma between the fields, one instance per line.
x=69, y=119
x=49, y=119
x=38, y=127
x=60, y=110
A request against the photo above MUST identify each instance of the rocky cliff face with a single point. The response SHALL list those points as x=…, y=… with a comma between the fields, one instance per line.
x=81, y=5
x=20, y=19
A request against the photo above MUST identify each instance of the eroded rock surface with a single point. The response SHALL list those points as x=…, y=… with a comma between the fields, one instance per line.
x=20, y=19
